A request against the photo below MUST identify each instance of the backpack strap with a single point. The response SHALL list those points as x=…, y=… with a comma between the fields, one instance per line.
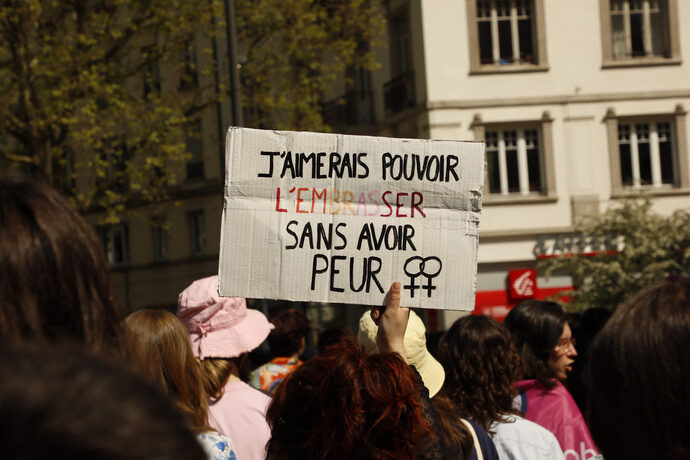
x=477, y=448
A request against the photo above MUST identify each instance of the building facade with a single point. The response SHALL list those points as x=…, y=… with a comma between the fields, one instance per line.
x=579, y=103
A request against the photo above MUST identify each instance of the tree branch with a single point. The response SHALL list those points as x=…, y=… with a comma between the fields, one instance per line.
x=18, y=158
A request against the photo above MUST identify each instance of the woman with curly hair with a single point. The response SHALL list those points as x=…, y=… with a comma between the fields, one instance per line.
x=543, y=338
x=481, y=366
x=463, y=439
x=346, y=404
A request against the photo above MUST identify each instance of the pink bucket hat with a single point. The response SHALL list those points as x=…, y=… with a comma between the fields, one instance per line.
x=219, y=327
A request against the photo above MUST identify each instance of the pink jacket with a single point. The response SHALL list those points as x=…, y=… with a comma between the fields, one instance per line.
x=556, y=411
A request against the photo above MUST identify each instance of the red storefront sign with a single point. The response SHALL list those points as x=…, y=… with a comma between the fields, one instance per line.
x=497, y=304
x=522, y=284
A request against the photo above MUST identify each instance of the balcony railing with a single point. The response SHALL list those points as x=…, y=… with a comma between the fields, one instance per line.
x=353, y=109
x=398, y=93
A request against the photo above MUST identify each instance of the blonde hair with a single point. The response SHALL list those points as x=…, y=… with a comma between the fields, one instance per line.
x=159, y=347
x=215, y=373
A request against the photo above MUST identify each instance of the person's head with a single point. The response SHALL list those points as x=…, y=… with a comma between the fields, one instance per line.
x=481, y=366
x=332, y=336
x=417, y=355
x=290, y=329
x=54, y=280
x=158, y=345
x=62, y=403
x=222, y=330
x=640, y=375
x=347, y=404
x=544, y=340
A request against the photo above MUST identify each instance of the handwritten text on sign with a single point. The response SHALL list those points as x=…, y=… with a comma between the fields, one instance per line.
x=336, y=218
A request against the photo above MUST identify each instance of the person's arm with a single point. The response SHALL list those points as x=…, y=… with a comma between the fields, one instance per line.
x=392, y=322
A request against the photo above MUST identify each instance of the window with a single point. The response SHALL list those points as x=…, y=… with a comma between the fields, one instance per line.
x=639, y=31
x=399, y=91
x=64, y=171
x=112, y=165
x=115, y=241
x=646, y=153
x=519, y=158
x=195, y=146
x=159, y=230
x=401, y=50
x=506, y=35
x=151, y=74
x=189, y=77
x=197, y=232
x=513, y=161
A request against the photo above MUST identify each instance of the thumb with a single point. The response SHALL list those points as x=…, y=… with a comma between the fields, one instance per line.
x=393, y=301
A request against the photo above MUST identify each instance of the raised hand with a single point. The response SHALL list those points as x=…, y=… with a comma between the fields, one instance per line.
x=392, y=322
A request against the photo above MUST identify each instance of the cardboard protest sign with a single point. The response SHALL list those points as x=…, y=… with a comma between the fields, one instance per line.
x=337, y=218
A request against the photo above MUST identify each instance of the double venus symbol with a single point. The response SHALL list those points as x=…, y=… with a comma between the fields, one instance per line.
x=417, y=266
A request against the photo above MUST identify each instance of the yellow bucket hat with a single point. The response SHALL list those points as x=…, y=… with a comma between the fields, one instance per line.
x=416, y=352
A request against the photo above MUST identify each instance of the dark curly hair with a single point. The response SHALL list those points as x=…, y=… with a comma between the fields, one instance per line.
x=345, y=404
x=536, y=327
x=290, y=327
x=481, y=366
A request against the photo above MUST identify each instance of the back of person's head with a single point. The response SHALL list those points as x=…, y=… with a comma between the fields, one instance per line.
x=481, y=366
x=290, y=328
x=221, y=329
x=536, y=327
x=54, y=280
x=414, y=342
x=592, y=321
x=61, y=403
x=345, y=404
x=158, y=344
x=332, y=336
x=640, y=370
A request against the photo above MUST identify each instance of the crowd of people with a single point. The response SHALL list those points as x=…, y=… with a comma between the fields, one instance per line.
x=79, y=379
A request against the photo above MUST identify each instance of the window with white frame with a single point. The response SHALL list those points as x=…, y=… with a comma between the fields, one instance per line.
x=646, y=154
x=649, y=152
x=506, y=35
x=514, y=164
x=197, y=232
x=639, y=28
x=505, y=31
x=115, y=241
x=639, y=31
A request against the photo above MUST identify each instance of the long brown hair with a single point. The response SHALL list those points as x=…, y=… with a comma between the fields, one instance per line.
x=159, y=347
x=481, y=366
x=640, y=376
x=215, y=373
x=54, y=280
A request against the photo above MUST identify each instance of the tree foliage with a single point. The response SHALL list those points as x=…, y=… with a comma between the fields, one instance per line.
x=95, y=95
x=295, y=49
x=90, y=94
x=652, y=247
